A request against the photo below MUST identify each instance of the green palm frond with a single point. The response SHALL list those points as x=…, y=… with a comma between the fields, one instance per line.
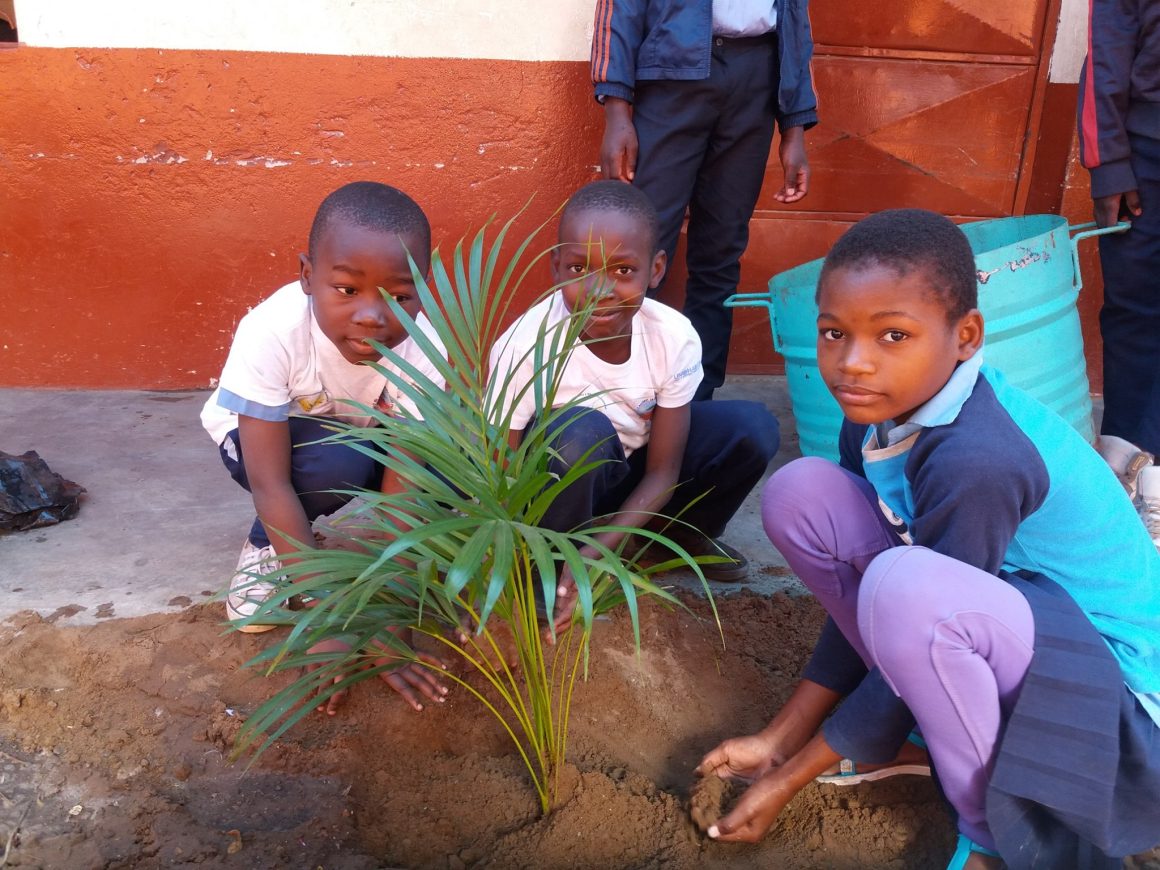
x=460, y=551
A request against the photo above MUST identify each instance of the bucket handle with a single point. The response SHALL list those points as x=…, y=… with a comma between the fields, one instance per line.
x=743, y=300
x=746, y=300
x=1087, y=233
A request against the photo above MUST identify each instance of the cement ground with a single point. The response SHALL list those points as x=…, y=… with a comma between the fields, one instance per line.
x=162, y=522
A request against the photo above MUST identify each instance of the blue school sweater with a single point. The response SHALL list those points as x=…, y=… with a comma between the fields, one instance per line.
x=987, y=475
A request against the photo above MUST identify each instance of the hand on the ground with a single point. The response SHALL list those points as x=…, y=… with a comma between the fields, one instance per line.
x=464, y=630
x=566, y=594
x=338, y=647
x=565, y=603
x=619, y=146
x=796, y=168
x=1110, y=210
x=415, y=681
x=411, y=680
x=745, y=758
x=757, y=810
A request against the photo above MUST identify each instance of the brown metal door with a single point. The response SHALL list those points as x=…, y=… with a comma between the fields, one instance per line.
x=923, y=103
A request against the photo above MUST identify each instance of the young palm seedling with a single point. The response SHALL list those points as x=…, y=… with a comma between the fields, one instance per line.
x=460, y=556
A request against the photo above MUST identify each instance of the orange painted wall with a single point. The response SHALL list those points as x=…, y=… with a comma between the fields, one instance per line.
x=148, y=197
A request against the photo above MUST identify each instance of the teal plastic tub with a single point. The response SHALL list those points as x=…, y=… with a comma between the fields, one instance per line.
x=1029, y=280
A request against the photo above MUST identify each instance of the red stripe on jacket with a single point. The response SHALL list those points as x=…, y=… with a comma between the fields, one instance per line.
x=601, y=40
x=1089, y=126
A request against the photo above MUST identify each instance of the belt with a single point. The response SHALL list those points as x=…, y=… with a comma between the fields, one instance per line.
x=743, y=41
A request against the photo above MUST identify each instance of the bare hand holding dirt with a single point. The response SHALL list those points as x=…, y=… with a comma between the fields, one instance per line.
x=707, y=801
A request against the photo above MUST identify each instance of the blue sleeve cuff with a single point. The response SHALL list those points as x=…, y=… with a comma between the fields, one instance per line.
x=1112, y=178
x=872, y=723
x=805, y=119
x=835, y=664
x=613, y=89
x=234, y=402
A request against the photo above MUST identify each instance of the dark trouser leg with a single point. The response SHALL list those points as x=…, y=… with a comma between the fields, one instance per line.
x=314, y=470
x=703, y=145
x=573, y=434
x=1130, y=317
x=725, y=195
x=730, y=445
x=673, y=122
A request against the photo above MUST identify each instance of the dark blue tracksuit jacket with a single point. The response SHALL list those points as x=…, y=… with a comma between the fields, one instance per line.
x=652, y=40
x=1119, y=89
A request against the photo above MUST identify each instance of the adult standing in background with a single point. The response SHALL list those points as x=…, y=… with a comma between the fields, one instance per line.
x=692, y=90
x=1119, y=139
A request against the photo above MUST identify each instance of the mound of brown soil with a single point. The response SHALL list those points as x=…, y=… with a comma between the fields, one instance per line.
x=115, y=740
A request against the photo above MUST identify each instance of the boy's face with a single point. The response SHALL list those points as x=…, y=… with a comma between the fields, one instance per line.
x=606, y=259
x=349, y=266
x=884, y=344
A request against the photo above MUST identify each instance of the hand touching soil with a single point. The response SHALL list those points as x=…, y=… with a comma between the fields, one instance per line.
x=707, y=801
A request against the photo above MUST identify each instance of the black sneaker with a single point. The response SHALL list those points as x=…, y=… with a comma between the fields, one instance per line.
x=732, y=571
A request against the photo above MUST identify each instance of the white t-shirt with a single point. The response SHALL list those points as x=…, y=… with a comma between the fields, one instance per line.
x=663, y=367
x=734, y=18
x=281, y=365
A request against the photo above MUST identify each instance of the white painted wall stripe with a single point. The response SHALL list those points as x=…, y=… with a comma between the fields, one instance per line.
x=1070, y=42
x=482, y=29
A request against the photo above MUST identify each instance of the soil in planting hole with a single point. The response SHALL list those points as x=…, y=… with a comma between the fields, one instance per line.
x=708, y=801
x=114, y=744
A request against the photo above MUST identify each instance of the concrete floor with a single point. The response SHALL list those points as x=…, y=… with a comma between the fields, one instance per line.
x=162, y=522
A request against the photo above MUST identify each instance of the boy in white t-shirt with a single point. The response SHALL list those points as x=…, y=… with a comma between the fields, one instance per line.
x=635, y=373
x=296, y=364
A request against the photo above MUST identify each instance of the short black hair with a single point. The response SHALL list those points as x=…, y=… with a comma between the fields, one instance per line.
x=910, y=240
x=617, y=196
x=374, y=206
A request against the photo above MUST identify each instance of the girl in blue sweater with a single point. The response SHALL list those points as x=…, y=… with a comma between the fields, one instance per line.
x=985, y=575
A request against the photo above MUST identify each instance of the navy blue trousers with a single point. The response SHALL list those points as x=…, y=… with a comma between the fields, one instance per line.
x=315, y=469
x=1130, y=317
x=730, y=445
x=703, y=145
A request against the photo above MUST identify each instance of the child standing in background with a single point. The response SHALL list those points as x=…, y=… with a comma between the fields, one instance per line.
x=984, y=574
x=1119, y=143
x=298, y=363
x=692, y=93
x=635, y=372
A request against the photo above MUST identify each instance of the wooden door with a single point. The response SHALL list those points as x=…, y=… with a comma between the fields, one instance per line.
x=924, y=103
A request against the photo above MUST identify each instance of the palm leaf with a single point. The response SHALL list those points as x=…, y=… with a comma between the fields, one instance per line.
x=462, y=545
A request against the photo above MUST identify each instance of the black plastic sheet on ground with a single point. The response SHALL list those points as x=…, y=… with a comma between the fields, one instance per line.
x=33, y=495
